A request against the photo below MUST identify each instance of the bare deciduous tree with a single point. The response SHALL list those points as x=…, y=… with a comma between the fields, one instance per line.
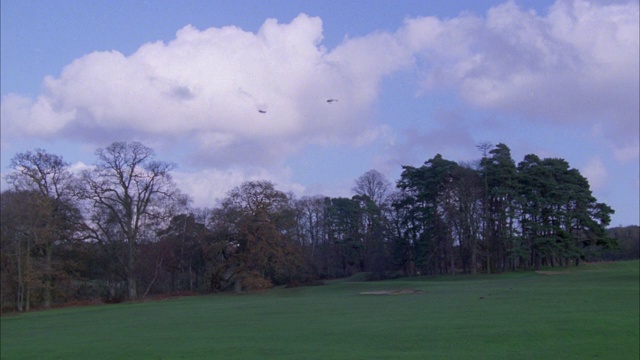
x=374, y=185
x=133, y=189
x=48, y=176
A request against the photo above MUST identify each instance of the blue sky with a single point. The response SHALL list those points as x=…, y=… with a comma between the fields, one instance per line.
x=413, y=79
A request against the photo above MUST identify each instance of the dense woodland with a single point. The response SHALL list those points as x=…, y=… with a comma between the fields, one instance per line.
x=122, y=230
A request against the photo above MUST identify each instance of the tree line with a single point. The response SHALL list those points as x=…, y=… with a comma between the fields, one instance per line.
x=121, y=229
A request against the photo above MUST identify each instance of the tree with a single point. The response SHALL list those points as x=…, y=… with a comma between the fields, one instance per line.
x=373, y=185
x=422, y=204
x=628, y=240
x=371, y=191
x=402, y=234
x=344, y=233
x=443, y=217
x=130, y=191
x=500, y=175
x=255, y=230
x=22, y=227
x=559, y=217
x=48, y=176
x=374, y=229
x=463, y=199
x=184, y=241
x=311, y=214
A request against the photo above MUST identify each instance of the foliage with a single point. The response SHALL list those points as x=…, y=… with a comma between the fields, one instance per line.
x=121, y=229
x=38, y=216
x=255, y=226
x=627, y=239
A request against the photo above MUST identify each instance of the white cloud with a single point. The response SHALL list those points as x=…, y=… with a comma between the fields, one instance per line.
x=199, y=94
x=207, y=187
x=78, y=167
x=23, y=116
x=596, y=173
x=577, y=65
x=208, y=85
x=626, y=153
x=4, y=186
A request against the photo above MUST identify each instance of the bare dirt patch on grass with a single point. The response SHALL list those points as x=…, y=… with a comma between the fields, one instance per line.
x=553, y=272
x=393, y=292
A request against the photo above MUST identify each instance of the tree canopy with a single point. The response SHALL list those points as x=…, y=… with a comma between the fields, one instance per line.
x=123, y=230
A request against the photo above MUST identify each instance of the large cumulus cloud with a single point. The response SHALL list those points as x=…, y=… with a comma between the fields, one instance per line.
x=577, y=65
x=207, y=87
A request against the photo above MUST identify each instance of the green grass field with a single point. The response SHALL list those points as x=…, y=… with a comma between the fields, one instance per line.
x=590, y=312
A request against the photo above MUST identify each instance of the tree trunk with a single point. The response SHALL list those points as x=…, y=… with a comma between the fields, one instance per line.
x=155, y=276
x=237, y=284
x=27, y=282
x=21, y=282
x=131, y=272
x=452, y=262
x=190, y=276
x=47, y=276
x=536, y=261
x=474, y=269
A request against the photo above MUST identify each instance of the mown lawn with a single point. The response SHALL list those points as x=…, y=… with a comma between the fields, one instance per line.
x=588, y=312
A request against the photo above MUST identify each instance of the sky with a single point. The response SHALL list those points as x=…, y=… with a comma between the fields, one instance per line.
x=233, y=91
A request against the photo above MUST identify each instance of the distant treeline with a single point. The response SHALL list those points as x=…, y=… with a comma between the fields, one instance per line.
x=123, y=230
x=627, y=241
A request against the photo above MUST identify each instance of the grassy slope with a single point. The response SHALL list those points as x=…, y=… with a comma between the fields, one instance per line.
x=592, y=312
